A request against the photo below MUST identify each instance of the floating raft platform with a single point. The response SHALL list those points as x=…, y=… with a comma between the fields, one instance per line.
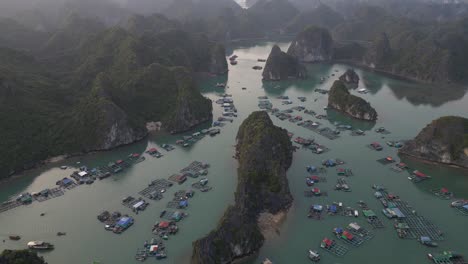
x=175, y=205
x=463, y=210
x=386, y=161
x=442, y=193
x=8, y=205
x=360, y=232
x=153, y=191
x=353, y=240
x=195, y=166
x=131, y=201
x=49, y=194
x=334, y=248
x=447, y=257
x=201, y=187
x=325, y=131
x=416, y=225
x=344, y=172
x=375, y=222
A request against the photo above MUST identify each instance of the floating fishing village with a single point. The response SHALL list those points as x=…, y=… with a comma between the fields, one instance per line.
x=326, y=181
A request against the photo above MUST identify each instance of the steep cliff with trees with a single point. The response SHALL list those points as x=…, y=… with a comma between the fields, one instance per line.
x=265, y=154
x=444, y=140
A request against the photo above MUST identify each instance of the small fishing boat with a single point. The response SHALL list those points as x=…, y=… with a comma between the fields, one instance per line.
x=63, y=167
x=61, y=234
x=459, y=203
x=162, y=213
x=14, y=237
x=314, y=255
x=40, y=245
x=356, y=213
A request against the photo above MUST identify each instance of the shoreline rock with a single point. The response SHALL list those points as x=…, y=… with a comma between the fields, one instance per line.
x=265, y=153
x=444, y=141
x=339, y=98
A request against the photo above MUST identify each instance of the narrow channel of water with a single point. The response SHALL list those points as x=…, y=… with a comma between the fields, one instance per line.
x=403, y=107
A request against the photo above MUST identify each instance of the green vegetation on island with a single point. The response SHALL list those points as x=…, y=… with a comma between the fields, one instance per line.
x=341, y=99
x=20, y=257
x=265, y=153
x=96, y=89
x=444, y=140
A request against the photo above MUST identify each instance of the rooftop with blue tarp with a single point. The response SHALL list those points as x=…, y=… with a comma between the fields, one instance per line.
x=125, y=222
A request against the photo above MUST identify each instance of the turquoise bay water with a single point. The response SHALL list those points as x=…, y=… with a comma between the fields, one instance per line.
x=403, y=107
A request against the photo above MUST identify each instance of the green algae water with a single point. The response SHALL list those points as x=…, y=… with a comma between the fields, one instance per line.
x=404, y=108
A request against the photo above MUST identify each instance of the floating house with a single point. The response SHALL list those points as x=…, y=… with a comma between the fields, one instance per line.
x=124, y=222
x=393, y=213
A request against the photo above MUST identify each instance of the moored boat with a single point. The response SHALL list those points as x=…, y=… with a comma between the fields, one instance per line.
x=14, y=237
x=427, y=241
x=40, y=245
x=314, y=255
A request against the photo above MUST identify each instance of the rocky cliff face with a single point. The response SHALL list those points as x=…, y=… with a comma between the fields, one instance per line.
x=265, y=153
x=380, y=52
x=282, y=66
x=191, y=107
x=313, y=44
x=218, y=62
x=350, y=78
x=340, y=99
x=100, y=123
x=445, y=140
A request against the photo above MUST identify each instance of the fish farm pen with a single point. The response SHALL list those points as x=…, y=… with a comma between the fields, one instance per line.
x=344, y=172
x=373, y=219
x=201, y=187
x=359, y=231
x=173, y=215
x=409, y=224
x=333, y=247
x=386, y=161
x=196, y=167
x=48, y=194
x=447, y=257
x=347, y=237
x=135, y=204
x=8, y=205
x=442, y=193
x=155, y=189
x=325, y=131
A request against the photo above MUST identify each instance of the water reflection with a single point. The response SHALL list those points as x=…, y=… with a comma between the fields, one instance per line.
x=210, y=83
x=433, y=95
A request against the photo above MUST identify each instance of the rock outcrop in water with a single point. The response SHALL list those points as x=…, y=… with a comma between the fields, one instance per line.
x=282, y=66
x=350, y=78
x=340, y=99
x=265, y=153
x=445, y=140
x=313, y=44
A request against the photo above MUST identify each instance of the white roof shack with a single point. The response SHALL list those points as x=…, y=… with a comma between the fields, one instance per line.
x=137, y=205
x=82, y=173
